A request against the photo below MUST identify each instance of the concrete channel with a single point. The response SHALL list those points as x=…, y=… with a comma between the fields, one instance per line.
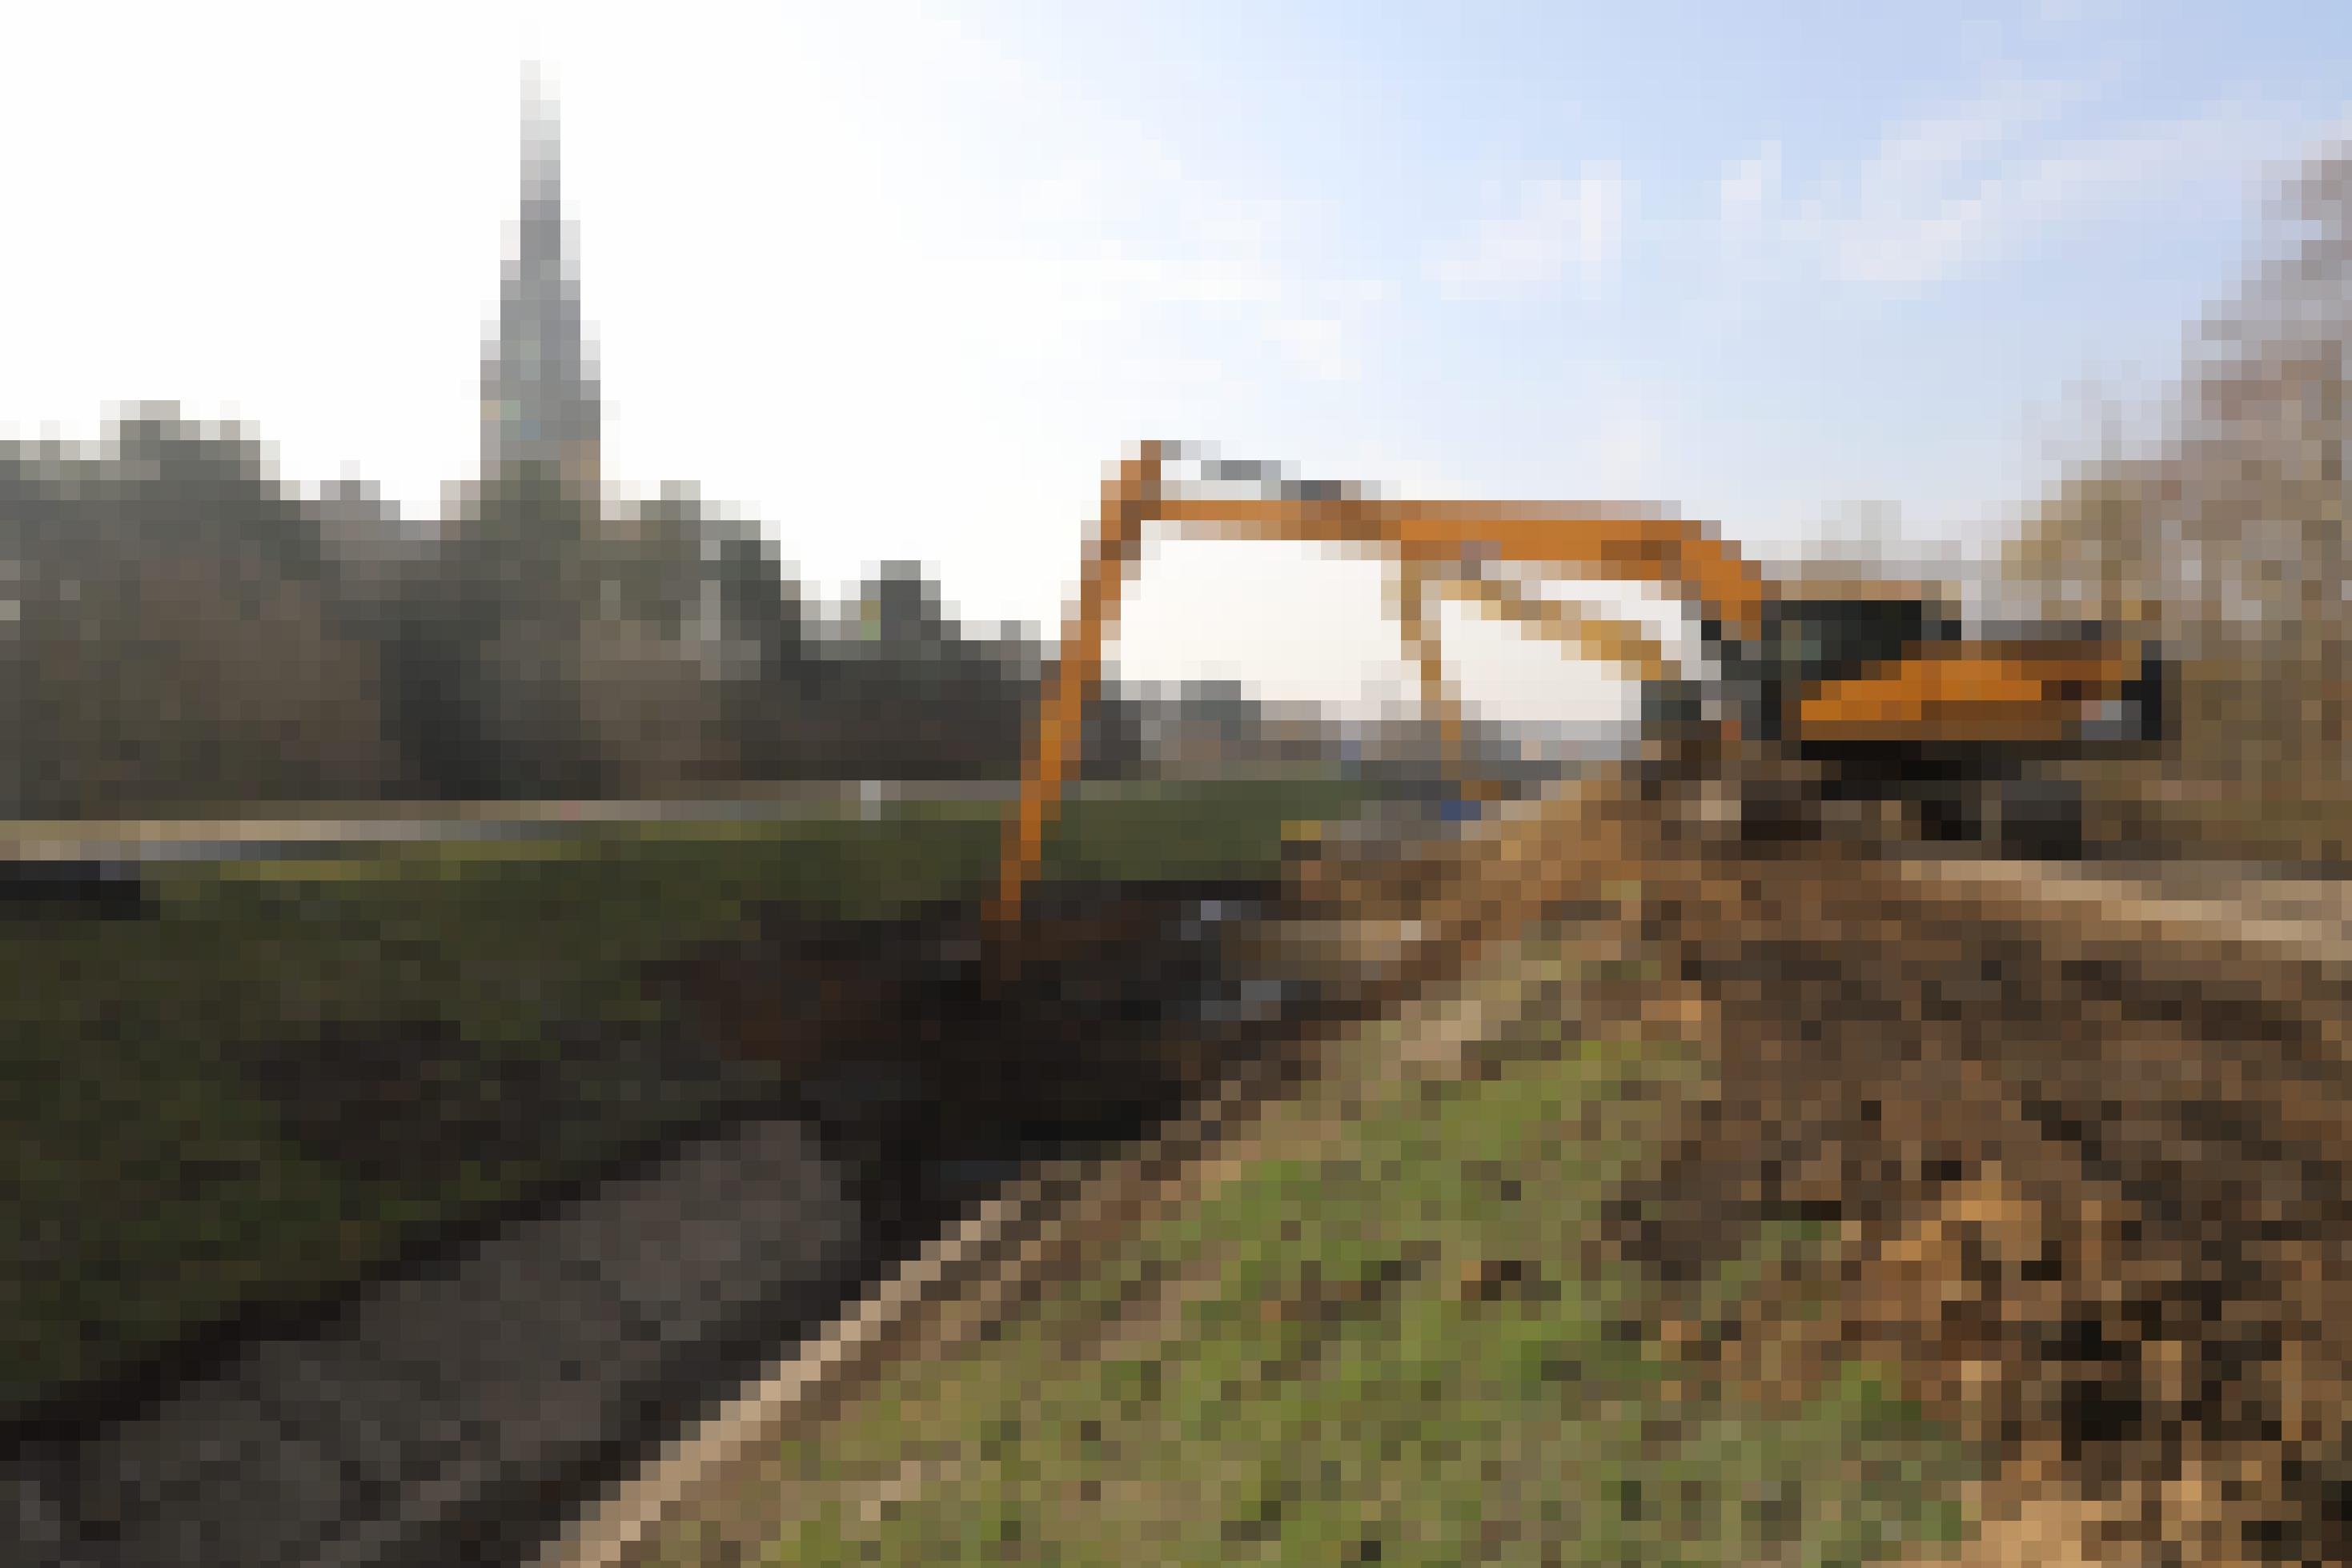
x=463, y=1409
x=405, y=1431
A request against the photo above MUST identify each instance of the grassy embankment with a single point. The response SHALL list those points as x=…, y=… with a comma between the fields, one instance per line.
x=294, y=1065
x=1380, y=1329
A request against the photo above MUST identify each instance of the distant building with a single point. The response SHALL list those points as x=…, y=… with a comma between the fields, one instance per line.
x=539, y=386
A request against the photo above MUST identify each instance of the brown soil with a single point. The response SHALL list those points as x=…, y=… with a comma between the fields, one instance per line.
x=2098, y=1204
x=2090, y=1162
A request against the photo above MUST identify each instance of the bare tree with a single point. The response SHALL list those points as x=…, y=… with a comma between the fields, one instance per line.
x=2227, y=538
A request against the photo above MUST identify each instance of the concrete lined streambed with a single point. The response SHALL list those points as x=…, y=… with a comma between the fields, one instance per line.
x=403, y=1430
x=462, y=1406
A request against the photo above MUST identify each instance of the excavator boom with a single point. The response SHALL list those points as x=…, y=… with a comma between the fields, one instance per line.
x=1625, y=546
x=1438, y=546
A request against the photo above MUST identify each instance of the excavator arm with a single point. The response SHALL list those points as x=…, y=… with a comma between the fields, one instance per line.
x=1684, y=558
x=1621, y=644
x=1603, y=639
x=1438, y=546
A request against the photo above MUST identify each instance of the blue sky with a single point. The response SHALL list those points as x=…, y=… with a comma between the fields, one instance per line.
x=898, y=280
x=1927, y=226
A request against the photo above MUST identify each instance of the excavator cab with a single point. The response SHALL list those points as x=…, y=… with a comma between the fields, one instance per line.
x=1829, y=639
x=1878, y=689
x=1819, y=635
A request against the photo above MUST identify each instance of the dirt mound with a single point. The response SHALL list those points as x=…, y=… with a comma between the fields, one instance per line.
x=2091, y=1173
x=919, y=1053
x=2099, y=1204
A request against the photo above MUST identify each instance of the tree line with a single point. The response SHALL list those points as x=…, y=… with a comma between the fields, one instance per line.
x=180, y=632
x=2225, y=535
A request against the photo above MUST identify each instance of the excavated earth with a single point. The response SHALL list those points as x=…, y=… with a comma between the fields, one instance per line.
x=2095, y=1169
x=934, y=1069
x=2083, y=1131
x=2085, y=1137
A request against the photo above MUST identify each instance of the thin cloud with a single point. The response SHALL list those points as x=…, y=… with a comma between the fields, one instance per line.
x=1953, y=194
x=1145, y=242
x=1750, y=188
x=1560, y=230
x=1316, y=346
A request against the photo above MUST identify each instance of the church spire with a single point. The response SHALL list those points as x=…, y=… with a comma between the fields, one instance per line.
x=539, y=387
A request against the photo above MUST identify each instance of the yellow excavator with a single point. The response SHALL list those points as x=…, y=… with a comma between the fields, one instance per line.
x=1804, y=692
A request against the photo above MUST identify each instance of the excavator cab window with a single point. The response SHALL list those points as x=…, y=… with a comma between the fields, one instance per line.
x=1816, y=639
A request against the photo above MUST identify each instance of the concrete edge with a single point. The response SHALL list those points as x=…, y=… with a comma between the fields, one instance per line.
x=1006, y=1234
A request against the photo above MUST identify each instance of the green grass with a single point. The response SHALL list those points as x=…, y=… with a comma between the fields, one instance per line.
x=1206, y=1427
x=149, y=1177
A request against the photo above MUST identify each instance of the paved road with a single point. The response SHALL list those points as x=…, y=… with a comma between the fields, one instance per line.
x=133, y=843
x=125, y=846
